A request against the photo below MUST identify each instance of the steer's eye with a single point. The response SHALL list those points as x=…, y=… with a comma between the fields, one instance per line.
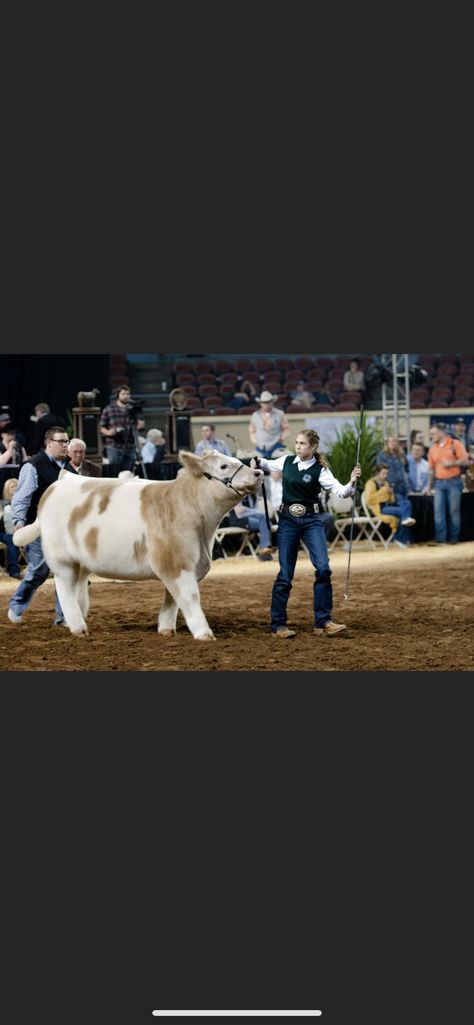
x=224, y=466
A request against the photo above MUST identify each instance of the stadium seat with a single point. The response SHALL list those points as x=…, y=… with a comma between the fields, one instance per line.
x=243, y=365
x=185, y=379
x=207, y=389
x=303, y=363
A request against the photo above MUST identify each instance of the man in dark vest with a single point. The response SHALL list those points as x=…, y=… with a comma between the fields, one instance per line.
x=35, y=477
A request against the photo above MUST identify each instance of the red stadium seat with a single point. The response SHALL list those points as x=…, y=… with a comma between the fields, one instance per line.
x=228, y=379
x=224, y=366
x=443, y=394
x=206, y=379
x=204, y=366
x=303, y=363
x=462, y=403
x=200, y=411
x=247, y=410
x=189, y=389
x=185, y=379
x=243, y=365
x=224, y=411
x=207, y=389
x=211, y=401
x=193, y=402
x=262, y=365
x=323, y=363
x=283, y=363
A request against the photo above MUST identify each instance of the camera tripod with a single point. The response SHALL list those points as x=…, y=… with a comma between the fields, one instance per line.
x=138, y=452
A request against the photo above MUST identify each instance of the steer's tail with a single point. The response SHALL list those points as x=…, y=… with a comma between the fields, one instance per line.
x=25, y=535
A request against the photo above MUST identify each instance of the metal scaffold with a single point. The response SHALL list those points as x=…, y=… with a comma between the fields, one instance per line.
x=396, y=394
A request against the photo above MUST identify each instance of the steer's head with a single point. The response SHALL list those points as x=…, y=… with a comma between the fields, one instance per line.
x=229, y=471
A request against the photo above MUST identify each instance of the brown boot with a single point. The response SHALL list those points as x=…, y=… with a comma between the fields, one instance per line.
x=330, y=629
x=284, y=633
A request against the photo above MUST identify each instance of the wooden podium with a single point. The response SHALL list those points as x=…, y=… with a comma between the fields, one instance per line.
x=86, y=421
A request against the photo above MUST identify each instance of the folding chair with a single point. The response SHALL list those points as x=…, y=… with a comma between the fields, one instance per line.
x=225, y=532
x=368, y=526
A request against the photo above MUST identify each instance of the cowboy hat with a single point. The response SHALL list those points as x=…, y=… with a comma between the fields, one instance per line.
x=266, y=396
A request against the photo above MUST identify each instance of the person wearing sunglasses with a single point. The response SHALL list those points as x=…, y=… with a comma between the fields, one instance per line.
x=35, y=478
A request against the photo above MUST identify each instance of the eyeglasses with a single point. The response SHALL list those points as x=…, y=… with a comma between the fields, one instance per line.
x=61, y=441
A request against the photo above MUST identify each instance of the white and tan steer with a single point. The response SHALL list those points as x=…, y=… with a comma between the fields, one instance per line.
x=135, y=530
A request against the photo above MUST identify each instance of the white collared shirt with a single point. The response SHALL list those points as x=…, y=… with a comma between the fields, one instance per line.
x=327, y=479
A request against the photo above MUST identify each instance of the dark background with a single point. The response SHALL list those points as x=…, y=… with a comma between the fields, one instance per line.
x=55, y=379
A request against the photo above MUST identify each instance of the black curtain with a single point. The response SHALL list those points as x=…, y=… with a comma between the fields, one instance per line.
x=27, y=380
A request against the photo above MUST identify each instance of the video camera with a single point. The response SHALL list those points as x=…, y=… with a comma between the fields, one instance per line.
x=135, y=408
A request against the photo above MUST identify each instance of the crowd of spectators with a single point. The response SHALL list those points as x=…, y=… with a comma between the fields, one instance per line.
x=318, y=383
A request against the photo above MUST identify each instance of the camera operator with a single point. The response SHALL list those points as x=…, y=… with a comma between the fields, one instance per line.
x=116, y=426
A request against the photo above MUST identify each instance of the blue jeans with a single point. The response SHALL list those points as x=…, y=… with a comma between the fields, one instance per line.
x=12, y=554
x=258, y=522
x=120, y=458
x=291, y=530
x=403, y=510
x=267, y=453
x=36, y=573
x=447, y=510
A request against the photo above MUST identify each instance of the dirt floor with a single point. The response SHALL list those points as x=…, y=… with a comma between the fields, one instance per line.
x=410, y=609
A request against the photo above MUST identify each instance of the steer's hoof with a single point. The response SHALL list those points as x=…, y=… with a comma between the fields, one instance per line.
x=166, y=633
x=205, y=637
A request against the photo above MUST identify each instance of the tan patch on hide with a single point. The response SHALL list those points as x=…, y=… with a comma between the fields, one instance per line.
x=169, y=537
x=139, y=550
x=79, y=513
x=100, y=488
x=90, y=540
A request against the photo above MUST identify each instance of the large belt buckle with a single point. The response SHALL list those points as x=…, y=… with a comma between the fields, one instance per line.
x=296, y=509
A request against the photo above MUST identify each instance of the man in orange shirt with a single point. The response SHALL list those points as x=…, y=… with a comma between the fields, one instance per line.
x=446, y=457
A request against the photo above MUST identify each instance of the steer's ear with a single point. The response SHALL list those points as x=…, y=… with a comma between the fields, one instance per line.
x=191, y=462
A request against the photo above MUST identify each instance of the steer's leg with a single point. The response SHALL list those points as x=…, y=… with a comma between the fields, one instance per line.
x=66, y=580
x=83, y=592
x=168, y=615
x=185, y=592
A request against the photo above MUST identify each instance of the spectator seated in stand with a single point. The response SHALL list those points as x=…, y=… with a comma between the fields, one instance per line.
x=250, y=513
x=7, y=528
x=354, y=378
x=244, y=397
x=324, y=397
x=302, y=396
x=382, y=502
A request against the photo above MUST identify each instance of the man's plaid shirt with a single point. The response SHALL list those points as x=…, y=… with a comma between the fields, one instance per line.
x=114, y=416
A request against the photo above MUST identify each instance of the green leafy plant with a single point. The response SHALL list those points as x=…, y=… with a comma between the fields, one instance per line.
x=342, y=454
